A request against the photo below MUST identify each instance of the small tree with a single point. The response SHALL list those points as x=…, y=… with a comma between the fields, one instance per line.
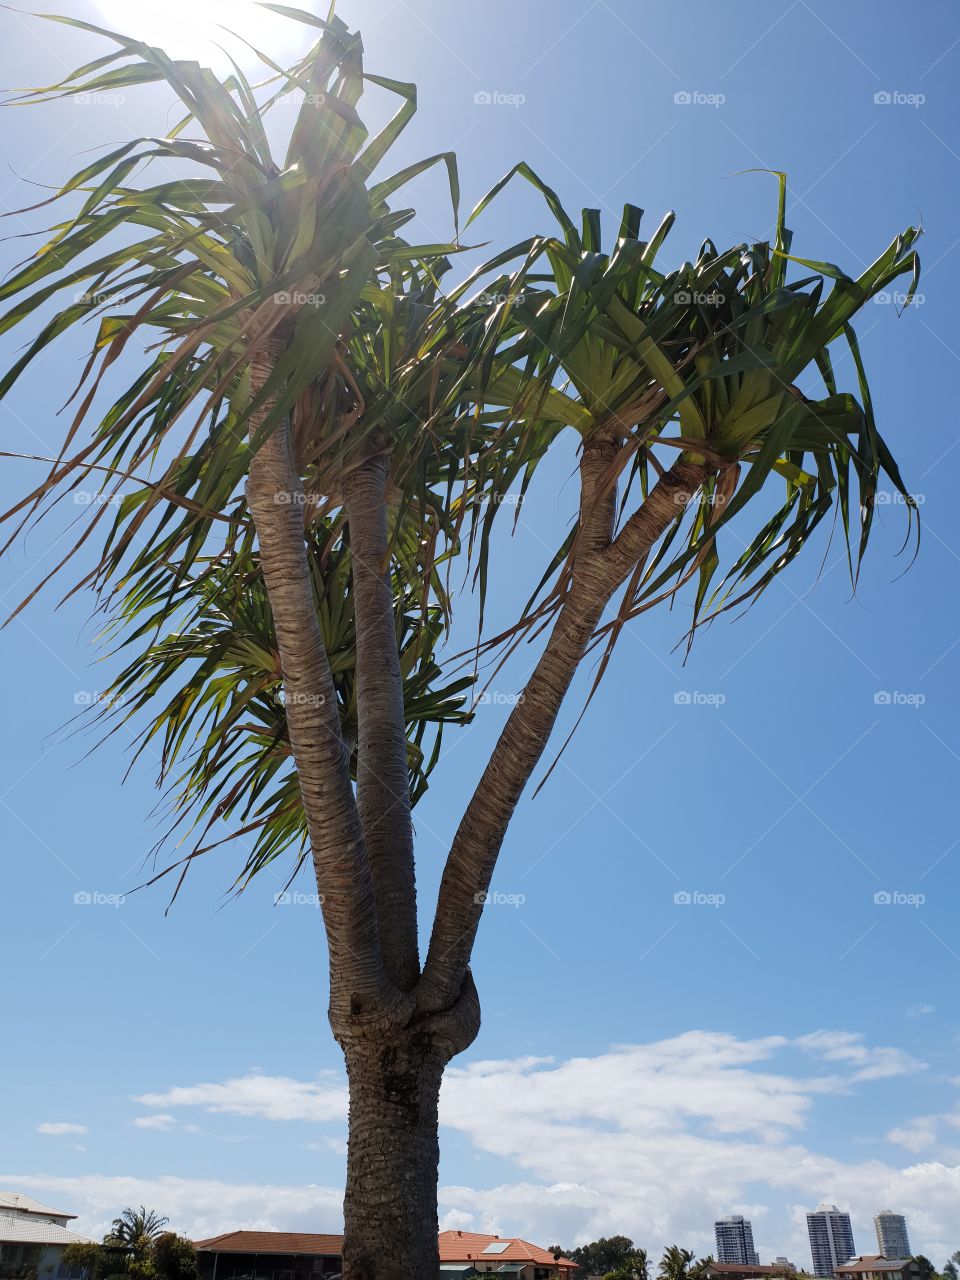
x=324, y=429
x=675, y=1263
x=610, y=1255
x=86, y=1255
x=173, y=1257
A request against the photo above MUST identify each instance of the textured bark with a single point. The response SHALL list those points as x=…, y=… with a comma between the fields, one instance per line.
x=360, y=993
x=383, y=777
x=390, y=1206
x=599, y=568
x=398, y=1031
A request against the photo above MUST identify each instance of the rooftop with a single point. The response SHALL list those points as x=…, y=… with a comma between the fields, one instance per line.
x=873, y=1262
x=468, y=1246
x=24, y=1231
x=288, y=1242
x=26, y=1204
x=745, y=1269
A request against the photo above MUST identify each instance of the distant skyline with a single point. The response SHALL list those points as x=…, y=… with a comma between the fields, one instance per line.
x=893, y=1237
x=734, y=1236
x=831, y=1239
x=720, y=975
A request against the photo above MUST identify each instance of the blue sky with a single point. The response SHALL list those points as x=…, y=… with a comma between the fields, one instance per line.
x=644, y=1064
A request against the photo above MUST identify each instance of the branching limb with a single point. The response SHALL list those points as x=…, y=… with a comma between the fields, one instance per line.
x=383, y=786
x=361, y=993
x=600, y=567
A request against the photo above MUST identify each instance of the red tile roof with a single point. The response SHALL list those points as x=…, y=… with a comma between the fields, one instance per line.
x=874, y=1262
x=273, y=1242
x=455, y=1246
x=468, y=1246
x=745, y=1269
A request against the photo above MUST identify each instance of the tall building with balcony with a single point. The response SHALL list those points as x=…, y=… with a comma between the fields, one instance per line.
x=892, y=1238
x=831, y=1239
x=735, y=1241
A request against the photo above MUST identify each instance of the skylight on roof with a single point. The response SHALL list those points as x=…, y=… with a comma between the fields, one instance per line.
x=497, y=1246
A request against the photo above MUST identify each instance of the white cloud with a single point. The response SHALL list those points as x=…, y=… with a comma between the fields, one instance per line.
x=197, y=1207
x=871, y=1063
x=653, y=1140
x=272, y=1097
x=161, y=1121
x=58, y=1128
x=918, y=1135
x=921, y=1010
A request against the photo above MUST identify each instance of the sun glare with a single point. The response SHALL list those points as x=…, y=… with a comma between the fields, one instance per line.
x=194, y=28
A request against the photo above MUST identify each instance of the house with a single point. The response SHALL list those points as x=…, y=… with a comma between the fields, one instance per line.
x=269, y=1255
x=501, y=1255
x=32, y=1239
x=746, y=1271
x=288, y=1255
x=876, y=1267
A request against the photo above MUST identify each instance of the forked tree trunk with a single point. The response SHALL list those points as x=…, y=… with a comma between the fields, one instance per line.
x=390, y=1205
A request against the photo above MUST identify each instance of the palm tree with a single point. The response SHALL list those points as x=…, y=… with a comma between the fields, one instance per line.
x=136, y=1229
x=675, y=1263
x=318, y=430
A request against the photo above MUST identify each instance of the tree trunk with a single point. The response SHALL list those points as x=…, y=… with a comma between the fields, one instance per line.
x=390, y=1205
